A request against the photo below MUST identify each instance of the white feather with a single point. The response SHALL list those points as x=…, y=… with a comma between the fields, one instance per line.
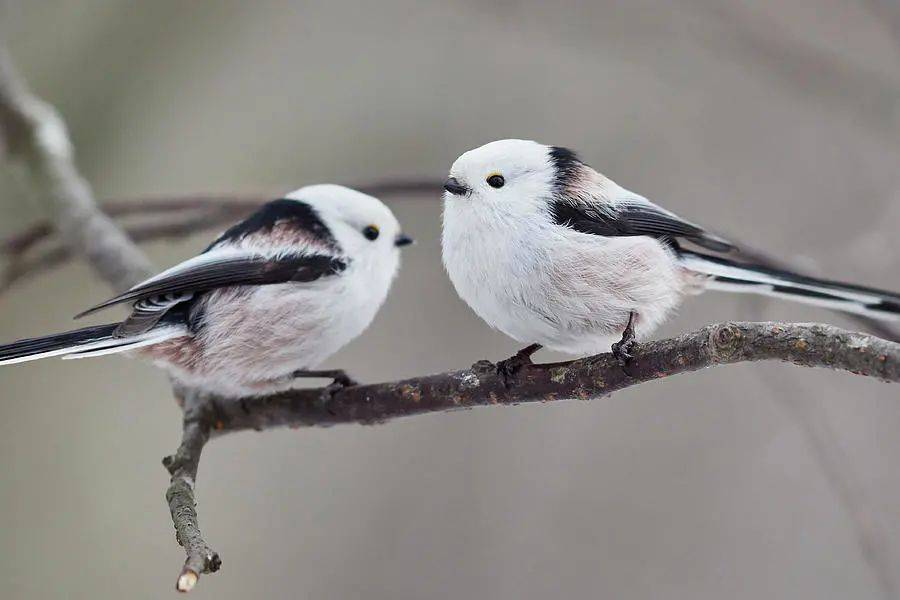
x=696, y=263
x=114, y=346
x=108, y=345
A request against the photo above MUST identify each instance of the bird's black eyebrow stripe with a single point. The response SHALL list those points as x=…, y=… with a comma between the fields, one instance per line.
x=566, y=165
x=301, y=214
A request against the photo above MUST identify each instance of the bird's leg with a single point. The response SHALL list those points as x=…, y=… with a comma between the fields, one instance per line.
x=339, y=377
x=622, y=349
x=512, y=365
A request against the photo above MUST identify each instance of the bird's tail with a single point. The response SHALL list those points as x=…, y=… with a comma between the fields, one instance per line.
x=729, y=276
x=81, y=343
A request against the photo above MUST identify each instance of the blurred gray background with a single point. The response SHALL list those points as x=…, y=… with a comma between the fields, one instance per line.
x=774, y=121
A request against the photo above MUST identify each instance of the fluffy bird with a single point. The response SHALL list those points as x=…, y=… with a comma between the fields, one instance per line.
x=270, y=299
x=552, y=253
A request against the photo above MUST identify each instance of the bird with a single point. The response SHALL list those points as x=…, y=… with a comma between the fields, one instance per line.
x=554, y=254
x=268, y=301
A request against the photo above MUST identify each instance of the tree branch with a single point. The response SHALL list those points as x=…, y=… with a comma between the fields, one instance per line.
x=809, y=345
x=182, y=467
x=33, y=132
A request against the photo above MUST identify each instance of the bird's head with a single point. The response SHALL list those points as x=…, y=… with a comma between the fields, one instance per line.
x=362, y=226
x=511, y=177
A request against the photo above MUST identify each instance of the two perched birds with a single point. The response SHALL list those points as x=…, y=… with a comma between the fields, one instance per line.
x=539, y=244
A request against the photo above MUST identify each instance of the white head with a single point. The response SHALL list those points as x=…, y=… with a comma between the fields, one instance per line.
x=508, y=176
x=361, y=225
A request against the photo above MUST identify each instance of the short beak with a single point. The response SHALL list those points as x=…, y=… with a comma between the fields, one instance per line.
x=403, y=240
x=453, y=186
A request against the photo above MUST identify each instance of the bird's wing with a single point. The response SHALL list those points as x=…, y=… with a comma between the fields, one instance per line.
x=148, y=312
x=223, y=269
x=631, y=215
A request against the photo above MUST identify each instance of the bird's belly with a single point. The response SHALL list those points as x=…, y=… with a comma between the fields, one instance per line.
x=540, y=314
x=576, y=304
x=247, y=344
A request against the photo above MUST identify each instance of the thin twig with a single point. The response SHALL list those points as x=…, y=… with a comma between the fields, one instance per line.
x=182, y=467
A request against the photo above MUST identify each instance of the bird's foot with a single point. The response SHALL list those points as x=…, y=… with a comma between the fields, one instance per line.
x=339, y=380
x=508, y=368
x=623, y=349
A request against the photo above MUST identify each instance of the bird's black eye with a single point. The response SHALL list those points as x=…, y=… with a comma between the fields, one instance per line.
x=371, y=233
x=496, y=181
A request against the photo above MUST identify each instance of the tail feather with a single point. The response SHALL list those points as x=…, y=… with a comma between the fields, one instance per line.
x=89, y=341
x=729, y=276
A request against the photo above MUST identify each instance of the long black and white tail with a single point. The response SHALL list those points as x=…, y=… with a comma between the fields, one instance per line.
x=81, y=343
x=730, y=276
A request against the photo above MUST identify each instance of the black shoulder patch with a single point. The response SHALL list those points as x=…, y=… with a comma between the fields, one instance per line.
x=633, y=220
x=300, y=214
x=567, y=165
x=582, y=218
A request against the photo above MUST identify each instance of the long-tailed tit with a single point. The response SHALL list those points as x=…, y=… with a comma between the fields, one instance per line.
x=271, y=298
x=552, y=253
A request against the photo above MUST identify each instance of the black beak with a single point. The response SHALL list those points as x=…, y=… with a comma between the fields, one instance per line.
x=454, y=187
x=403, y=240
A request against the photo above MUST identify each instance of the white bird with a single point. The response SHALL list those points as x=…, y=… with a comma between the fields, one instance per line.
x=270, y=299
x=552, y=253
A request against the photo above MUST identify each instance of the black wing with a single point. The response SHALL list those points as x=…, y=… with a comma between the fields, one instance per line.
x=633, y=216
x=208, y=272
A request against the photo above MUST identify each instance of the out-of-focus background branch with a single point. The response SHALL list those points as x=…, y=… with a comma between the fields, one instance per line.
x=774, y=120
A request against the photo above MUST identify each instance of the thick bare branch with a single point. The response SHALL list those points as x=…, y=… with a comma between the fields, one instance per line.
x=809, y=345
x=32, y=131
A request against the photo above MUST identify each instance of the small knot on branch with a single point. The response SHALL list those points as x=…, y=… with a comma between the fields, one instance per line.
x=724, y=341
x=484, y=367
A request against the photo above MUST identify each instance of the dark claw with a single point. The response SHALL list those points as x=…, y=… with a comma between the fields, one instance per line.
x=339, y=381
x=508, y=368
x=344, y=380
x=623, y=351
